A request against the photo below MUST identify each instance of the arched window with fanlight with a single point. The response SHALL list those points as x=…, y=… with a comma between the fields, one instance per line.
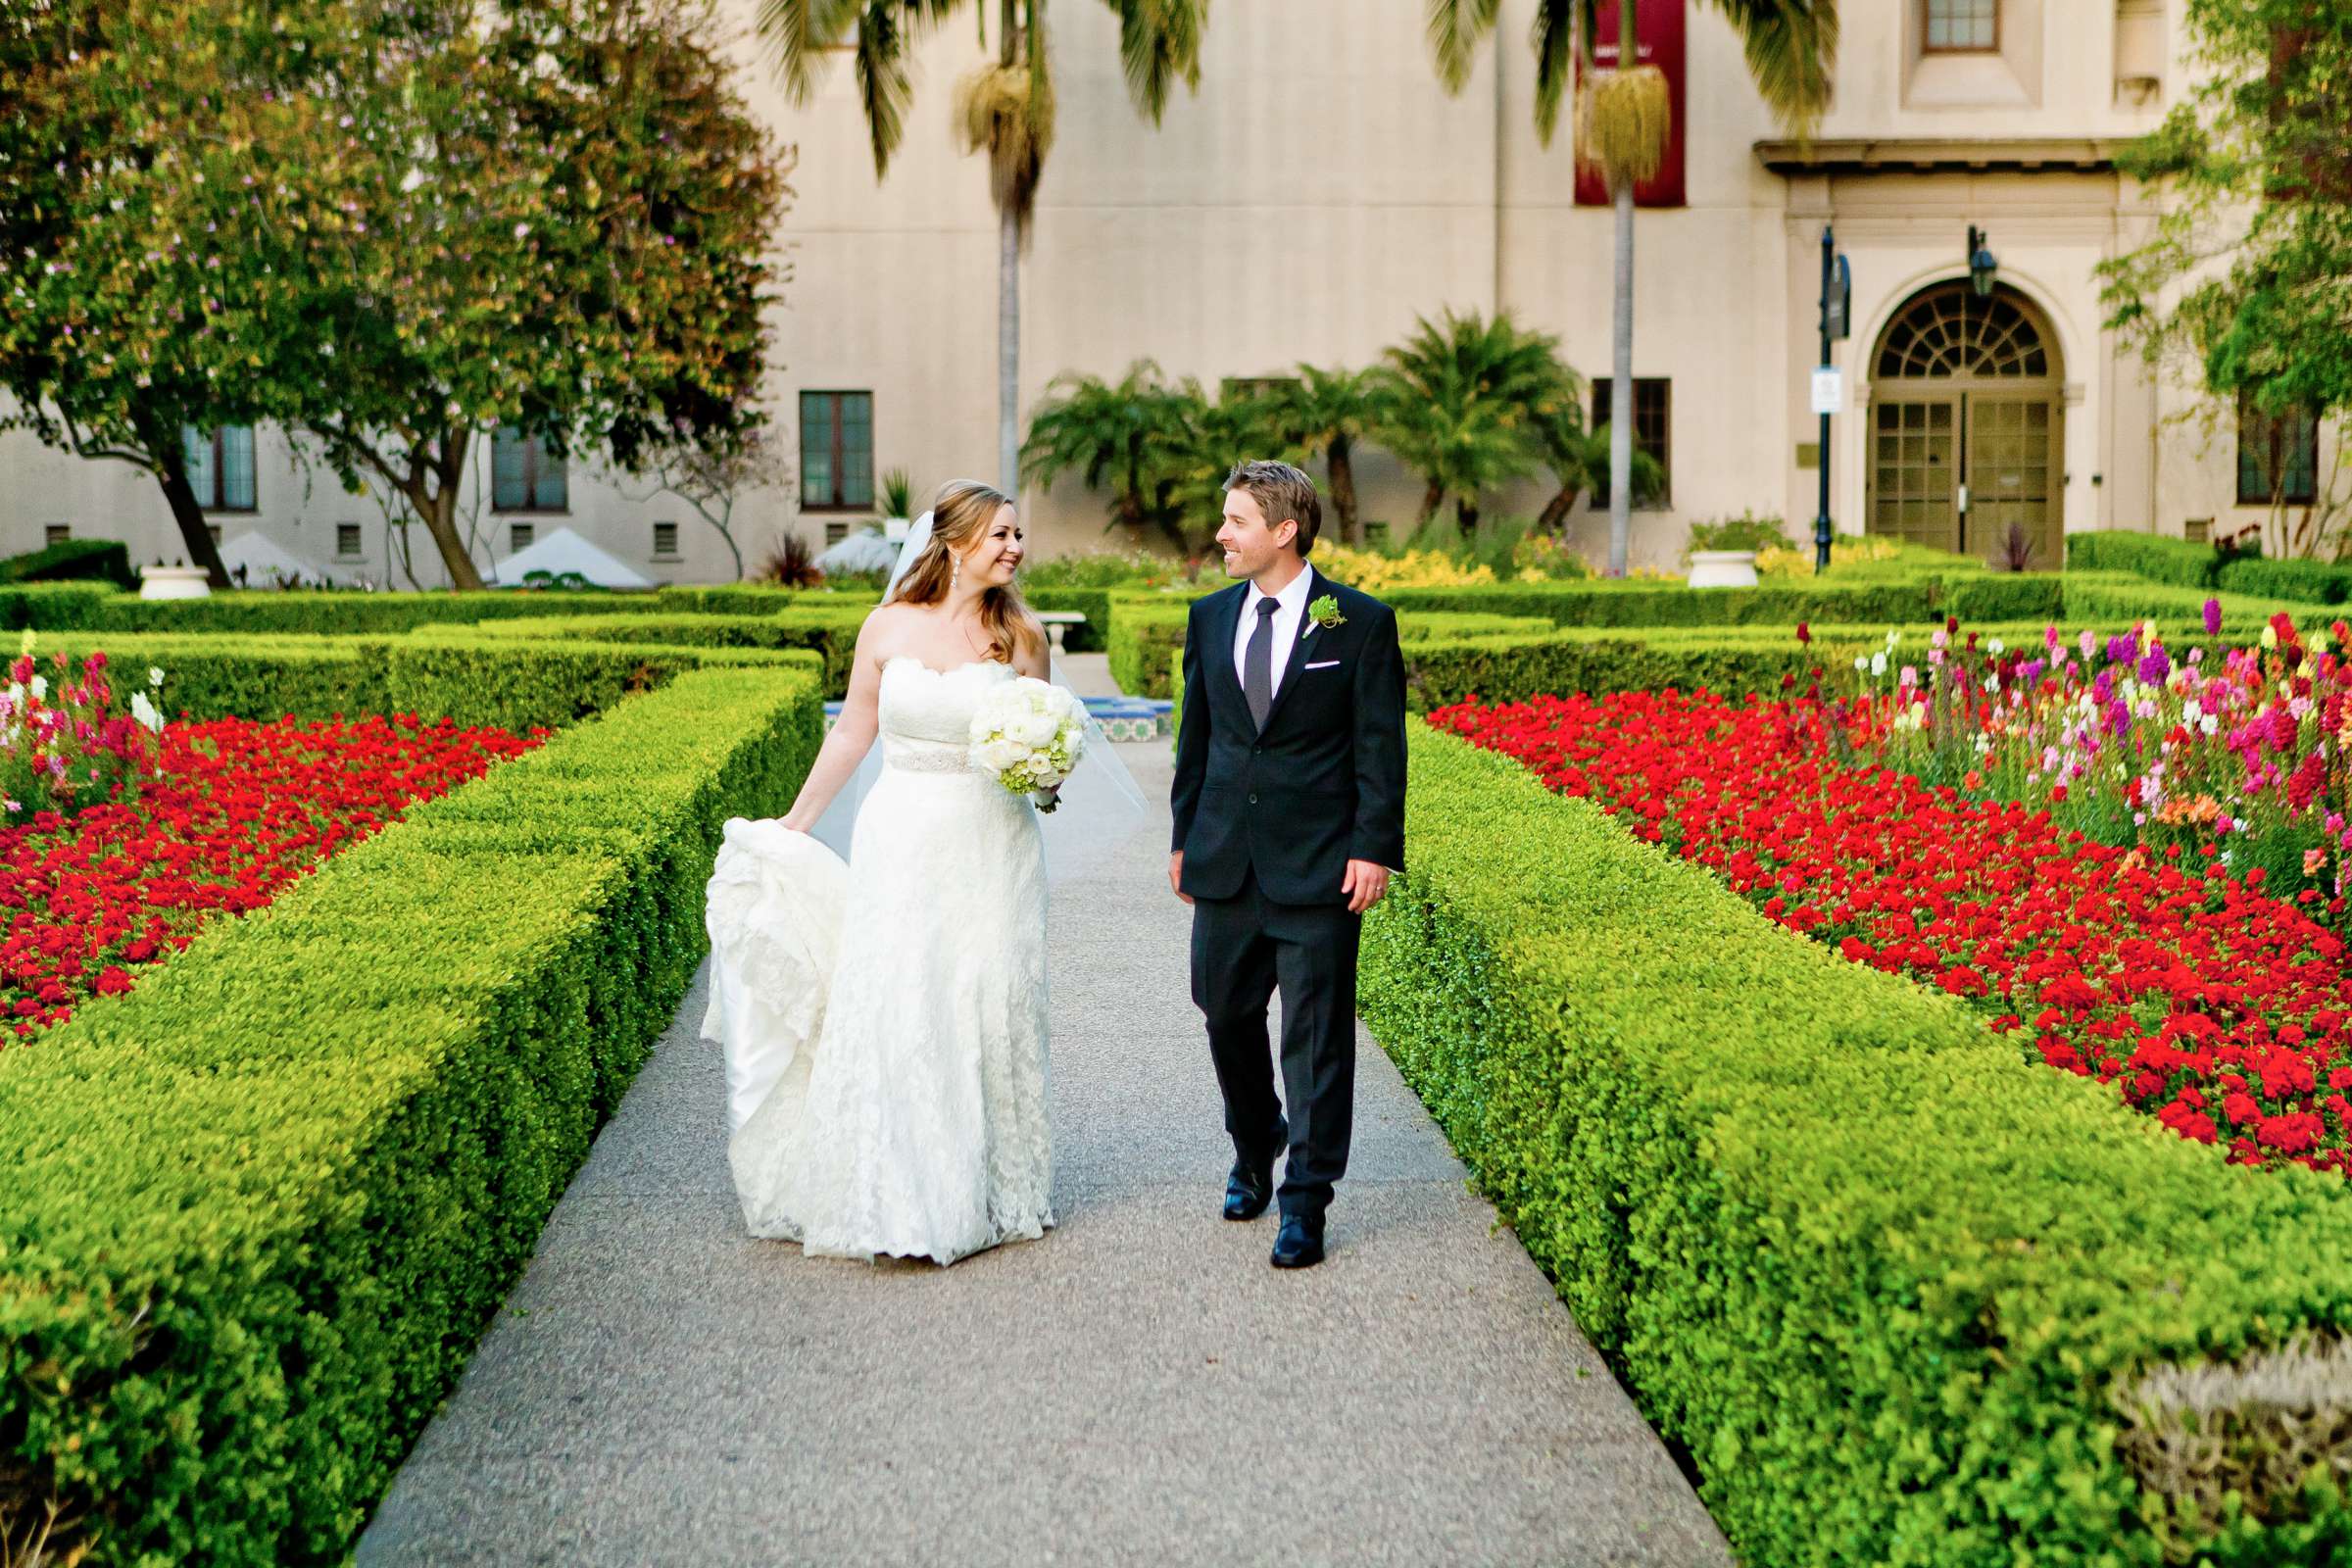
x=1966, y=398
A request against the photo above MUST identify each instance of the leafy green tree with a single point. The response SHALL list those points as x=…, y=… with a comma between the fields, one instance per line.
x=2248, y=275
x=1465, y=402
x=1624, y=117
x=1005, y=110
x=110, y=318
x=395, y=225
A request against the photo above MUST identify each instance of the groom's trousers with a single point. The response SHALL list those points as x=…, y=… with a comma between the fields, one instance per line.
x=1244, y=949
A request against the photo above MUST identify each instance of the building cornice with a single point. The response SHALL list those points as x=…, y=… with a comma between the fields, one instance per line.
x=1911, y=154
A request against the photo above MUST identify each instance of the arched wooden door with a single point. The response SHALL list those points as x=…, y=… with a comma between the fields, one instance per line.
x=1967, y=399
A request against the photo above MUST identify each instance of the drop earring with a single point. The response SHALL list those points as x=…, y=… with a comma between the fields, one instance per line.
x=955, y=570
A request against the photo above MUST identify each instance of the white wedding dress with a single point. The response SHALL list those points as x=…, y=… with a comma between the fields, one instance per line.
x=884, y=1023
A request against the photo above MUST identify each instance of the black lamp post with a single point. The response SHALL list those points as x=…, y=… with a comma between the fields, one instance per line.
x=1981, y=262
x=1836, y=319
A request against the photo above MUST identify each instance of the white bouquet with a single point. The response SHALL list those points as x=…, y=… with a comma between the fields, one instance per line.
x=1030, y=734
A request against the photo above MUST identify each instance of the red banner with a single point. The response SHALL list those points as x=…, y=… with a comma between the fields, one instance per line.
x=1657, y=41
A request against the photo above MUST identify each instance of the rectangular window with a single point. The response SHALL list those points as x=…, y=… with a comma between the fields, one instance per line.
x=56, y=533
x=665, y=541
x=220, y=464
x=1963, y=27
x=1653, y=407
x=346, y=540
x=2278, y=455
x=836, y=532
x=837, y=450
x=524, y=475
x=518, y=538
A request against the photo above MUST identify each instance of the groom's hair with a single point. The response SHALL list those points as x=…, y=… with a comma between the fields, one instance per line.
x=1281, y=491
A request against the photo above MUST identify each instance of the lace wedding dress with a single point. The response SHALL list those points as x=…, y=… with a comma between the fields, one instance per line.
x=885, y=1022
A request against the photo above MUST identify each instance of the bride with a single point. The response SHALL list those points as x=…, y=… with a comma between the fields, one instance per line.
x=885, y=1021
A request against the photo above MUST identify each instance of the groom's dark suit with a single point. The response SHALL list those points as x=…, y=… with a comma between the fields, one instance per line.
x=1267, y=819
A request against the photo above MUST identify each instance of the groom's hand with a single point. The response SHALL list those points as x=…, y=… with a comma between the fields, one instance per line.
x=1364, y=884
x=1176, y=876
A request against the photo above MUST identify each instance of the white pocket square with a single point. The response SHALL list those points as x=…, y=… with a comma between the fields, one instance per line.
x=1328, y=663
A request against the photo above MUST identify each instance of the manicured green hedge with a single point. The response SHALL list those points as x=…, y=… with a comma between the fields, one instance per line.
x=53, y=605
x=2310, y=583
x=73, y=559
x=2155, y=556
x=1774, y=601
x=439, y=673
x=1148, y=641
x=1880, y=1280
x=2118, y=597
x=255, y=1213
x=830, y=632
x=1734, y=660
x=337, y=612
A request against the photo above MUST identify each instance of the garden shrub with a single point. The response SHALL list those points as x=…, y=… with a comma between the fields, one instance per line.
x=2155, y=556
x=830, y=632
x=1889, y=1288
x=1146, y=640
x=2310, y=583
x=254, y=1212
x=105, y=560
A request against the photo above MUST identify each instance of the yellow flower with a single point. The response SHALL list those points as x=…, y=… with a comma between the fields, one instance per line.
x=26, y=647
x=2269, y=636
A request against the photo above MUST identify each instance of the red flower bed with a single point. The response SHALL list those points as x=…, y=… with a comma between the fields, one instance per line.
x=238, y=810
x=2218, y=1010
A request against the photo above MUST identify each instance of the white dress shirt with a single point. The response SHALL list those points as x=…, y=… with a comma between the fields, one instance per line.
x=1290, y=623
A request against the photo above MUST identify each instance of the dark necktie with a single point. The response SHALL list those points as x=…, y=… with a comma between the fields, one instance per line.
x=1258, y=664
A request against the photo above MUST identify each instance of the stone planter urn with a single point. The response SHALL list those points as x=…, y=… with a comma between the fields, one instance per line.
x=1721, y=568
x=173, y=583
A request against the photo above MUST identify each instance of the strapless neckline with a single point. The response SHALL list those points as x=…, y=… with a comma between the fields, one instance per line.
x=970, y=663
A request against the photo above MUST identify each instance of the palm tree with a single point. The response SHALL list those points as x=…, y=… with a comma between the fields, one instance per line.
x=1623, y=120
x=1325, y=412
x=1005, y=108
x=1579, y=460
x=1465, y=403
x=1123, y=434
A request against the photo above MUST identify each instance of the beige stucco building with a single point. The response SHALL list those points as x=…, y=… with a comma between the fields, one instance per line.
x=1320, y=191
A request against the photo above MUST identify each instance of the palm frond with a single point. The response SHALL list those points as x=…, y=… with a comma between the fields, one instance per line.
x=1007, y=113
x=1455, y=27
x=1159, y=45
x=884, y=90
x=1624, y=119
x=797, y=33
x=1791, y=48
x=1553, y=35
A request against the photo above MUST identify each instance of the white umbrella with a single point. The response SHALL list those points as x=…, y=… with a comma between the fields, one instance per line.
x=566, y=551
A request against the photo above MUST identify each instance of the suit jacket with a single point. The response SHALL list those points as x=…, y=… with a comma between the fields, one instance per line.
x=1322, y=784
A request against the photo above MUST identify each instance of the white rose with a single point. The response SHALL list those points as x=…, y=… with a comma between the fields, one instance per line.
x=1033, y=729
x=997, y=755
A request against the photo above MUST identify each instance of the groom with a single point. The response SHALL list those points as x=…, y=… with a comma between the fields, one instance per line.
x=1290, y=817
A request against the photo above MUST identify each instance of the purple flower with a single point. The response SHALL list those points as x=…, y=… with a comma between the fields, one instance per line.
x=2103, y=688
x=2155, y=665
x=2030, y=672
x=2122, y=647
x=2119, y=718
x=2212, y=616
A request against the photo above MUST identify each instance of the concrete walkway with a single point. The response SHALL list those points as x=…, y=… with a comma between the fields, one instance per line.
x=1139, y=1387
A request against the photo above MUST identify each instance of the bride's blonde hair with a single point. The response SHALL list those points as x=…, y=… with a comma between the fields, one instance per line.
x=960, y=516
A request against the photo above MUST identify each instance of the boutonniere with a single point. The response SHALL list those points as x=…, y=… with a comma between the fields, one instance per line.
x=1325, y=613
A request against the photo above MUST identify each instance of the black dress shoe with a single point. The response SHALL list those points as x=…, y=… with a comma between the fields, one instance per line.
x=1299, y=1242
x=1250, y=1186
x=1249, y=1189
